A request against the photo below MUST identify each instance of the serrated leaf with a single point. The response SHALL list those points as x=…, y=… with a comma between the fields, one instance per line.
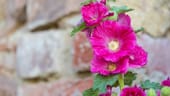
x=100, y=82
x=78, y=29
x=121, y=9
x=147, y=84
x=91, y=92
x=139, y=30
x=129, y=78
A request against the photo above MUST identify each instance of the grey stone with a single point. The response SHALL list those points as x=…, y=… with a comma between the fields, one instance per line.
x=158, y=53
x=41, y=54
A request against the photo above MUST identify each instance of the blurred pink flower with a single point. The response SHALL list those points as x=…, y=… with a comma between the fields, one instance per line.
x=166, y=82
x=138, y=57
x=108, y=91
x=124, y=19
x=103, y=67
x=133, y=91
x=94, y=13
x=103, y=1
x=112, y=41
x=158, y=92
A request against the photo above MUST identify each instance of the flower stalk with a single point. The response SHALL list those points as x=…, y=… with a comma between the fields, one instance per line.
x=121, y=81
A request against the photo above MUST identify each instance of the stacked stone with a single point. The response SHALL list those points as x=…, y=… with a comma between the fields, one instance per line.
x=39, y=58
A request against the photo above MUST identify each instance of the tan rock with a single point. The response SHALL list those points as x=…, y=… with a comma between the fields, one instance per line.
x=158, y=53
x=43, y=53
x=153, y=15
x=82, y=52
x=16, y=10
x=8, y=86
x=7, y=61
x=63, y=87
x=43, y=12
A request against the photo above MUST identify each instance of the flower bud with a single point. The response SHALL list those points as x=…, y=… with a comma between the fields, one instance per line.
x=165, y=91
x=151, y=92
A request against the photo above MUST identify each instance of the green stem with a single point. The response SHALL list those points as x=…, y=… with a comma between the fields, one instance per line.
x=121, y=81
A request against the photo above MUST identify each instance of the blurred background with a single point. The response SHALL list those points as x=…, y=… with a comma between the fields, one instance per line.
x=39, y=58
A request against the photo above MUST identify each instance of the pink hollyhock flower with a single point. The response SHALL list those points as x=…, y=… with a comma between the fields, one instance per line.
x=133, y=91
x=103, y=67
x=138, y=57
x=112, y=40
x=166, y=82
x=94, y=13
x=124, y=19
x=158, y=92
x=108, y=91
x=103, y=1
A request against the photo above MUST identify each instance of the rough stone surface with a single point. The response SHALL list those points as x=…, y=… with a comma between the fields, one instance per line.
x=40, y=54
x=8, y=86
x=70, y=21
x=82, y=52
x=71, y=87
x=2, y=14
x=42, y=12
x=2, y=11
x=7, y=60
x=16, y=10
x=158, y=52
x=153, y=15
x=35, y=46
x=14, y=16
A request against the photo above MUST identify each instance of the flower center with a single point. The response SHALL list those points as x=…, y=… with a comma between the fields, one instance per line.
x=111, y=67
x=113, y=45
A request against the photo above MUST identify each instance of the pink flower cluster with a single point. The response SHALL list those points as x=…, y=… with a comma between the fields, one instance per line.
x=133, y=91
x=166, y=82
x=113, y=41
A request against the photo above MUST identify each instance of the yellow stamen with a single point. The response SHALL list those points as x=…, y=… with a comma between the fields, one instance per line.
x=113, y=45
x=111, y=67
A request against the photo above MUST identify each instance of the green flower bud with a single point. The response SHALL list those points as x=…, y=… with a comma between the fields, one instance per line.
x=151, y=92
x=165, y=91
x=114, y=94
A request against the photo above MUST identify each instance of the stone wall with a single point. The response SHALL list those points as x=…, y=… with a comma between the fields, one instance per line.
x=39, y=58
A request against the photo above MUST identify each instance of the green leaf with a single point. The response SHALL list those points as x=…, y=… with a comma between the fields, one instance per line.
x=91, y=92
x=113, y=0
x=100, y=82
x=78, y=29
x=87, y=2
x=129, y=77
x=114, y=17
x=147, y=84
x=121, y=9
x=139, y=30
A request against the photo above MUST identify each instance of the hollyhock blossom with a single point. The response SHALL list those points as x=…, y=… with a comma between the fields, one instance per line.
x=112, y=40
x=166, y=82
x=103, y=67
x=138, y=57
x=133, y=91
x=158, y=92
x=93, y=13
x=103, y=1
x=108, y=91
x=124, y=19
